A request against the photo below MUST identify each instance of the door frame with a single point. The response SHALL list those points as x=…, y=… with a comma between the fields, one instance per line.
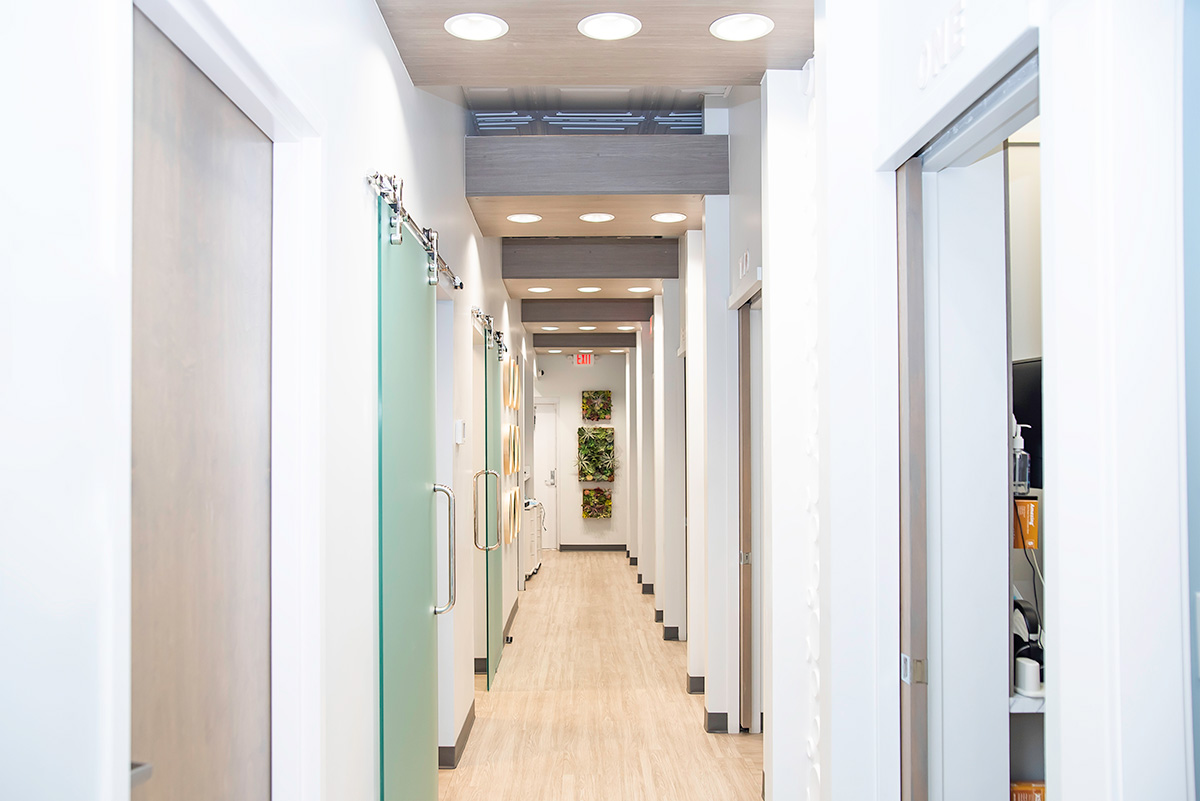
x=297, y=370
x=557, y=513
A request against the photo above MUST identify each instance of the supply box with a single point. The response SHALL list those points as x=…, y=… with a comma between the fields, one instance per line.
x=1028, y=791
x=1025, y=523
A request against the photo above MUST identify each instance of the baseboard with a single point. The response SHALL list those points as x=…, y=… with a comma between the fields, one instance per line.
x=448, y=756
x=658, y=615
x=512, y=616
x=597, y=547
x=670, y=632
x=647, y=589
x=695, y=685
x=639, y=578
x=716, y=722
x=480, y=665
x=633, y=561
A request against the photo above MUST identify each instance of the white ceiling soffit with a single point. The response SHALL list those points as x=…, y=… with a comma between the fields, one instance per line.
x=543, y=46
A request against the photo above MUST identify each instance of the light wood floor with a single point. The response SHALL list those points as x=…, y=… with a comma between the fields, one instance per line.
x=589, y=703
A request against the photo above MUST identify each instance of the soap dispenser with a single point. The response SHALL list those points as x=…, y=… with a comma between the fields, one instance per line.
x=1020, y=459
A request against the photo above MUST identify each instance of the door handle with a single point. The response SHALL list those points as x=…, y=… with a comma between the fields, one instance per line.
x=449, y=493
x=475, y=499
x=553, y=482
x=139, y=772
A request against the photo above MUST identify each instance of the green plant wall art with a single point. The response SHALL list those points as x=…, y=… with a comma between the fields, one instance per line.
x=597, y=503
x=597, y=404
x=597, y=459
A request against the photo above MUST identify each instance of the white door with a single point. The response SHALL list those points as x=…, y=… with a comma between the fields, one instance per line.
x=545, y=465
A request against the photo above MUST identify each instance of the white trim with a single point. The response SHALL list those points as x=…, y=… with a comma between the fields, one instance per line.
x=557, y=496
x=297, y=368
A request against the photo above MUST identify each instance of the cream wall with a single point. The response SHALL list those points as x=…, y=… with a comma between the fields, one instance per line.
x=562, y=379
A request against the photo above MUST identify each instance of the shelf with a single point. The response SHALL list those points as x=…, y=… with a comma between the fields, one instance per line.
x=1020, y=704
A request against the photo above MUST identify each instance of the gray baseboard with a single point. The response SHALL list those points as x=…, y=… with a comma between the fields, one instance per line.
x=598, y=547
x=480, y=665
x=647, y=589
x=633, y=561
x=658, y=615
x=639, y=578
x=695, y=685
x=716, y=722
x=448, y=756
x=670, y=632
x=512, y=616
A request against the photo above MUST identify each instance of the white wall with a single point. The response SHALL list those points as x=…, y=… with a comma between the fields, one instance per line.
x=566, y=381
x=693, y=313
x=628, y=435
x=1025, y=249
x=642, y=360
x=73, y=315
x=670, y=586
x=745, y=191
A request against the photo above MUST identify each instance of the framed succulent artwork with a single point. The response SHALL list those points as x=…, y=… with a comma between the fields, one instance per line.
x=597, y=460
x=597, y=503
x=597, y=404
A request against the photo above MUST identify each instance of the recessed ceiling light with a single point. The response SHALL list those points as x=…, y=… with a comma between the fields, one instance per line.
x=539, y=289
x=476, y=27
x=524, y=218
x=617, y=350
x=742, y=27
x=640, y=289
x=626, y=327
x=549, y=327
x=555, y=350
x=609, y=26
x=587, y=328
x=665, y=217
x=584, y=350
x=596, y=217
x=589, y=289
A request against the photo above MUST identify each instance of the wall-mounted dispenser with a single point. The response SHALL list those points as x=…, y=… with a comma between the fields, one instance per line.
x=1020, y=460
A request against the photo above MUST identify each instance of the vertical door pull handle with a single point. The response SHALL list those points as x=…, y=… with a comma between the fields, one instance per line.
x=475, y=499
x=449, y=493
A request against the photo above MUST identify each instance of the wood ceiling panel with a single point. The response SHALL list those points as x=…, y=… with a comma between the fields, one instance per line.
x=681, y=164
x=543, y=46
x=560, y=215
x=572, y=326
x=568, y=288
x=538, y=311
x=591, y=257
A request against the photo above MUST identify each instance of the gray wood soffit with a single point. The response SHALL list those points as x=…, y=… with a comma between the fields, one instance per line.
x=585, y=340
x=553, y=311
x=591, y=257
x=597, y=165
x=543, y=46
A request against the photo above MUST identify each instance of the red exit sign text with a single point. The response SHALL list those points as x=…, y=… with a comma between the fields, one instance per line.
x=583, y=358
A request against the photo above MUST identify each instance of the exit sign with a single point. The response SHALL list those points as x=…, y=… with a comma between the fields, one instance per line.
x=583, y=358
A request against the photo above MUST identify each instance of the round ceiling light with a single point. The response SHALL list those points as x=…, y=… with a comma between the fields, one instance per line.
x=587, y=328
x=589, y=289
x=476, y=27
x=549, y=327
x=555, y=350
x=539, y=289
x=667, y=217
x=609, y=26
x=641, y=289
x=742, y=27
x=524, y=219
x=596, y=217
x=626, y=327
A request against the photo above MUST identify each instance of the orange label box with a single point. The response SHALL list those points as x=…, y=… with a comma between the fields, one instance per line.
x=1025, y=522
x=1028, y=791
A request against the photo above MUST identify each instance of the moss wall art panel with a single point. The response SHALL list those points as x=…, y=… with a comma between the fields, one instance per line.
x=597, y=404
x=597, y=453
x=597, y=503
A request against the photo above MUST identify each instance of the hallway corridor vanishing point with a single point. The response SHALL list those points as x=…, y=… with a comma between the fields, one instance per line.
x=589, y=703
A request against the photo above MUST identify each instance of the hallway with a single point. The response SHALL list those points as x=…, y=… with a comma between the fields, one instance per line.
x=589, y=702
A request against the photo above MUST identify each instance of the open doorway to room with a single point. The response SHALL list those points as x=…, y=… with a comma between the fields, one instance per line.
x=973, y=647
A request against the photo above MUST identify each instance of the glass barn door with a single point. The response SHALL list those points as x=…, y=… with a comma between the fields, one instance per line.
x=407, y=632
x=495, y=557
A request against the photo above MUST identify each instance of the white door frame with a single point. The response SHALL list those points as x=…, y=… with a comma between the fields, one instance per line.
x=557, y=512
x=297, y=368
